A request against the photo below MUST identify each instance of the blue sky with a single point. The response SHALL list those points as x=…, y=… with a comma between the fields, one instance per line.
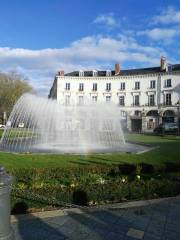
x=39, y=37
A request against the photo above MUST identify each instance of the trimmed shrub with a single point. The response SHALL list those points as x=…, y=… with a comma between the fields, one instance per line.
x=126, y=169
x=172, y=167
x=147, y=168
x=80, y=197
x=20, y=208
x=94, y=185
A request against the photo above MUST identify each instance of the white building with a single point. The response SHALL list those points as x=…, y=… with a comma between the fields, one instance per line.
x=146, y=97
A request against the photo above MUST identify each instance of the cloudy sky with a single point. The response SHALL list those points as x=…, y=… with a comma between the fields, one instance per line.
x=40, y=37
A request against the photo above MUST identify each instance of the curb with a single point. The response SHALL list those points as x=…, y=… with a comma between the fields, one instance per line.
x=81, y=210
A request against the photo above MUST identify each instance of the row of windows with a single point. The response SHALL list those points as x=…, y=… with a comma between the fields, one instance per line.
x=167, y=83
x=95, y=73
x=136, y=100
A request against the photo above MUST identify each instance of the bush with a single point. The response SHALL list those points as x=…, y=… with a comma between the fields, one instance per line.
x=80, y=197
x=172, y=167
x=147, y=168
x=20, y=208
x=126, y=169
x=97, y=185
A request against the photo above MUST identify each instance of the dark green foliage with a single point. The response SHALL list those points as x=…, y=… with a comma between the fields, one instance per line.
x=172, y=167
x=87, y=185
x=147, y=168
x=126, y=169
x=20, y=208
x=80, y=197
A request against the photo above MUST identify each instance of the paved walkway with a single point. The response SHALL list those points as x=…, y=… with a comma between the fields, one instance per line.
x=158, y=221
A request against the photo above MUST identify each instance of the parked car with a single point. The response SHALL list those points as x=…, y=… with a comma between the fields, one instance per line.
x=166, y=128
x=21, y=125
x=2, y=126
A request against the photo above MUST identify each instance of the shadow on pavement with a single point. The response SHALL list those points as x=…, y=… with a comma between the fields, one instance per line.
x=33, y=228
x=103, y=224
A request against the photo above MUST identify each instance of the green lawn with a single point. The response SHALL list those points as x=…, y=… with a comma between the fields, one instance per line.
x=168, y=151
x=41, y=178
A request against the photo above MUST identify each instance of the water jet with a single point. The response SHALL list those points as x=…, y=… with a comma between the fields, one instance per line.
x=37, y=124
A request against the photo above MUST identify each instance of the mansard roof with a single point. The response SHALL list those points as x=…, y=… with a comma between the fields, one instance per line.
x=138, y=71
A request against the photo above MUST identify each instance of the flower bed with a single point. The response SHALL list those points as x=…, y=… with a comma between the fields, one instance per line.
x=90, y=185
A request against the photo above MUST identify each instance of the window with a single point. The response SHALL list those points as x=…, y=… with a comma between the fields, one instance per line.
x=107, y=125
x=108, y=99
x=81, y=73
x=123, y=114
x=167, y=83
x=94, y=124
x=81, y=87
x=81, y=100
x=137, y=85
x=151, y=100
x=95, y=73
x=108, y=86
x=136, y=100
x=169, y=68
x=153, y=84
x=168, y=99
x=137, y=113
x=94, y=99
x=121, y=100
x=67, y=86
x=122, y=86
x=94, y=86
x=150, y=124
x=108, y=73
x=67, y=100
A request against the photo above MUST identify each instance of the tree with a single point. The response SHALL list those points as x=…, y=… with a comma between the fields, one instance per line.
x=12, y=86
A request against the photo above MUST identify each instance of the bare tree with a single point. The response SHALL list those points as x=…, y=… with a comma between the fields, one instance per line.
x=12, y=86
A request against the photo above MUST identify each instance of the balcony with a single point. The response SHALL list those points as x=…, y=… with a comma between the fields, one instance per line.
x=121, y=105
x=149, y=89
x=167, y=104
x=136, y=88
x=168, y=86
x=150, y=104
x=135, y=105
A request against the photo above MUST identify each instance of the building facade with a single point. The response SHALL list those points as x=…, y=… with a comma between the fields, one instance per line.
x=146, y=97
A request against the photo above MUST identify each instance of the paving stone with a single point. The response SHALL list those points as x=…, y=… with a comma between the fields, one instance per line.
x=152, y=222
x=141, y=225
x=172, y=236
x=149, y=236
x=135, y=233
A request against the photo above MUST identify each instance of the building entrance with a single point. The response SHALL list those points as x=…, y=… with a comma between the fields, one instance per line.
x=136, y=125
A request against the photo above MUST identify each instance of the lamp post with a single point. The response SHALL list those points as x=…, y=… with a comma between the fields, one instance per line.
x=6, y=232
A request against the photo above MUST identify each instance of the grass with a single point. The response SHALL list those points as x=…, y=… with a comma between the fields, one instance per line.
x=41, y=178
x=168, y=151
x=19, y=132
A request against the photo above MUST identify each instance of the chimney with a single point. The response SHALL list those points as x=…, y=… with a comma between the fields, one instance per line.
x=117, y=68
x=163, y=63
x=61, y=73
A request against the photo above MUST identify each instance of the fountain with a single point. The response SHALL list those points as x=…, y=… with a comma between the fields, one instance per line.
x=43, y=125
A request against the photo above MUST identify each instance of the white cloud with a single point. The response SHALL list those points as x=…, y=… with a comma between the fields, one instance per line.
x=167, y=16
x=108, y=20
x=87, y=53
x=165, y=34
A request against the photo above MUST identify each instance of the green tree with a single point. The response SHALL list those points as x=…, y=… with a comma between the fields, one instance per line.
x=12, y=86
